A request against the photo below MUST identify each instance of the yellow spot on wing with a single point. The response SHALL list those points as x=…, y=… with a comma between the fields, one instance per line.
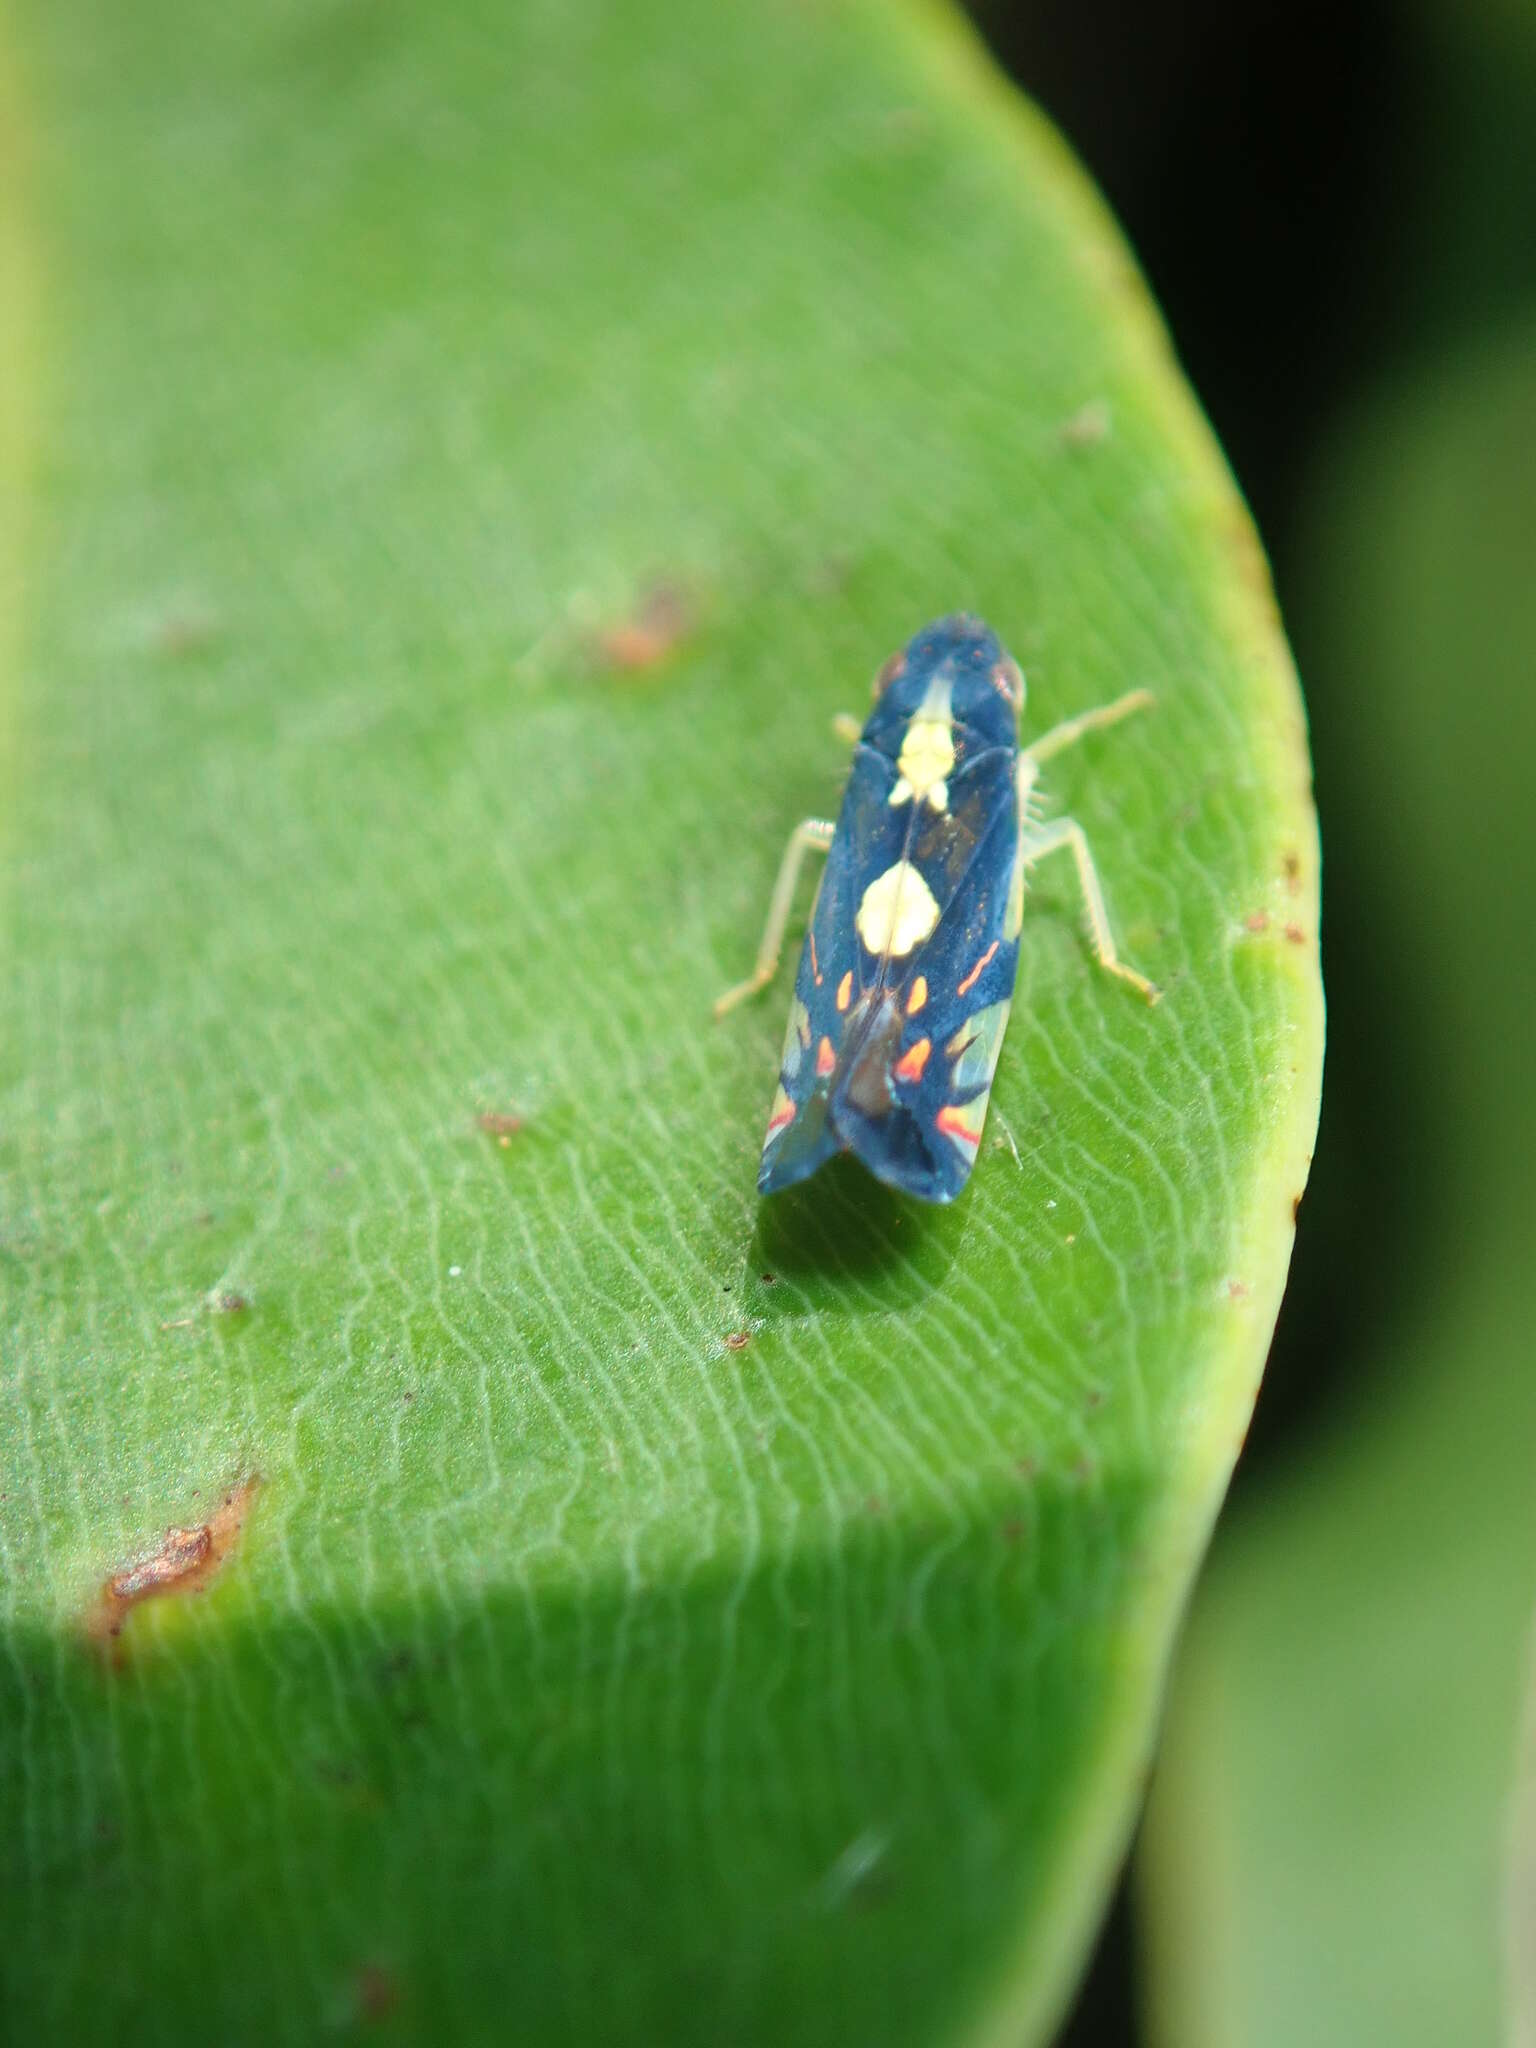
x=845, y=990
x=826, y=1058
x=898, y=912
x=927, y=757
x=918, y=996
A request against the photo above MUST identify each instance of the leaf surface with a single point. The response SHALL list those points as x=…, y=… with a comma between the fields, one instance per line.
x=465, y=456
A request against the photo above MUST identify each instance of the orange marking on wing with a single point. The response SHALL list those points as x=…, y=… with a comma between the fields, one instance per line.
x=815, y=970
x=782, y=1113
x=952, y=1122
x=912, y=1062
x=845, y=990
x=826, y=1058
x=977, y=971
x=919, y=995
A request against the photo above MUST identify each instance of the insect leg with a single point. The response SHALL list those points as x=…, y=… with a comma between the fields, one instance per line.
x=1067, y=833
x=810, y=832
x=1072, y=729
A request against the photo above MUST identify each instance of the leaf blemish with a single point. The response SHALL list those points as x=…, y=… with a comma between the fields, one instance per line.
x=1088, y=426
x=377, y=1992
x=738, y=1340
x=186, y=630
x=501, y=1125
x=1256, y=921
x=186, y=1560
x=178, y=1556
x=657, y=626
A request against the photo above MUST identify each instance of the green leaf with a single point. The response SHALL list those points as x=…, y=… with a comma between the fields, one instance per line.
x=469, y=454
x=1337, y=1850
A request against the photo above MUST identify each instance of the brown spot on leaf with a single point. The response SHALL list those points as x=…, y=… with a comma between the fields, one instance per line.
x=829, y=576
x=1290, y=867
x=499, y=1124
x=186, y=1560
x=654, y=629
x=1256, y=921
x=738, y=1340
x=1296, y=935
x=229, y=1304
x=1238, y=1290
x=177, y=1558
x=377, y=1991
x=185, y=631
x=1088, y=426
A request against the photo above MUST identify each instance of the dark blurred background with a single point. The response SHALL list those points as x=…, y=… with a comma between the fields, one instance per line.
x=1325, y=199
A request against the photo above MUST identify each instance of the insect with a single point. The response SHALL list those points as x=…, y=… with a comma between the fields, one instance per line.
x=906, y=978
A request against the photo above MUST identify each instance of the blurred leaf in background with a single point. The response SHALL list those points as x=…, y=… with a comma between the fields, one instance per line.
x=466, y=457
x=1333, y=1847
x=1341, y=1843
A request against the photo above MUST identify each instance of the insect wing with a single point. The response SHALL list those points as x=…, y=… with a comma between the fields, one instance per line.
x=870, y=837
x=910, y=1098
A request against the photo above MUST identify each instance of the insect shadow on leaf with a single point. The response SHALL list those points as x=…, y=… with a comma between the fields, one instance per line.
x=878, y=1249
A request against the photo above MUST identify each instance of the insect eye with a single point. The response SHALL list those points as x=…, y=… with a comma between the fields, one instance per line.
x=1008, y=681
x=889, y=673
